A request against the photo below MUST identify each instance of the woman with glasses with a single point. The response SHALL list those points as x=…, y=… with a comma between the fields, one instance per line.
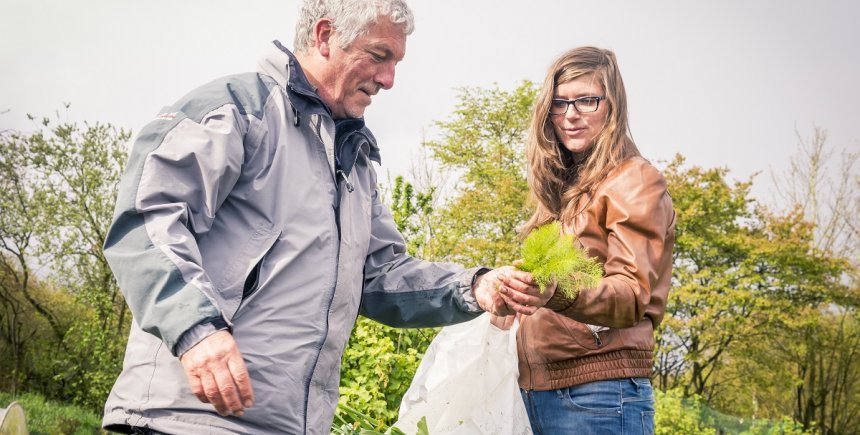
x=585, y=362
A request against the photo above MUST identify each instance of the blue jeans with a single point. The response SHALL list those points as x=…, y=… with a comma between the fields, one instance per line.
x=614, y=407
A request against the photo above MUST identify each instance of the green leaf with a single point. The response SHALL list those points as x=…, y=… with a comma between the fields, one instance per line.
x=551, y=256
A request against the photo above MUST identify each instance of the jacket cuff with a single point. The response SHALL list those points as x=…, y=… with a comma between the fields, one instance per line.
x=559, y=302
x=197, y=333
x=478, y=273
x=465, y=289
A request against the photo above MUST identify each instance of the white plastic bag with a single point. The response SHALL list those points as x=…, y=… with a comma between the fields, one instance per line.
x=467, y=383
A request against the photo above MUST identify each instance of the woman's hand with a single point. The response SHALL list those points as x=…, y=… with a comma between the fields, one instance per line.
x=502, y=322
x=506, y=290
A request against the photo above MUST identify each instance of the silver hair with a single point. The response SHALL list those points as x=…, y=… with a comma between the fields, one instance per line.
x=350, y=18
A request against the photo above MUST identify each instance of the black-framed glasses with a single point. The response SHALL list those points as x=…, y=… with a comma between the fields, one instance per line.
x=589, y=104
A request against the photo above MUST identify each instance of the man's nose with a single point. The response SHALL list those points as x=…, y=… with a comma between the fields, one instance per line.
x=385, y=76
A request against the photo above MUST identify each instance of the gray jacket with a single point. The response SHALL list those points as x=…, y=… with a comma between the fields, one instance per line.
x=233, y=213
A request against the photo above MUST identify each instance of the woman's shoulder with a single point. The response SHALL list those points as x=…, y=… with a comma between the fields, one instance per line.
x=633, y=174
x=637, y=193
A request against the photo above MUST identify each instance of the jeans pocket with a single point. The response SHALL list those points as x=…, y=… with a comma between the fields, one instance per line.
x=596, y=398
x=637, y=389
x=643, y=383
x=648, y=422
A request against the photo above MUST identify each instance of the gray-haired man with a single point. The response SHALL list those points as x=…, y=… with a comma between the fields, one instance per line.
x=249, y=235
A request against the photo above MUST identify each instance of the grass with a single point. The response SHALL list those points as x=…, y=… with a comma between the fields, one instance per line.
x=47, y=417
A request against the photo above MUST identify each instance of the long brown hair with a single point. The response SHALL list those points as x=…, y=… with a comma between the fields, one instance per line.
x=556, y=183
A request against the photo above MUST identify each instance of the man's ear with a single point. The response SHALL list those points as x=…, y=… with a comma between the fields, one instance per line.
x=323, y=33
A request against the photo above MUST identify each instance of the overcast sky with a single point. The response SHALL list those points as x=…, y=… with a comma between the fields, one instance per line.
x=725, y=83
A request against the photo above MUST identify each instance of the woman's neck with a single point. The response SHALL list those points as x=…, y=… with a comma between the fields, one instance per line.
x=579, y=158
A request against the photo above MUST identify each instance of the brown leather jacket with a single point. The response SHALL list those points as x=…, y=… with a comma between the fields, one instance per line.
x=629, y=225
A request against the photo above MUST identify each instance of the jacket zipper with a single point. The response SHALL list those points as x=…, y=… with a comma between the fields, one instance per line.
x=325, y=331
x=341, y=174
x=522, y=332
x=596, y=338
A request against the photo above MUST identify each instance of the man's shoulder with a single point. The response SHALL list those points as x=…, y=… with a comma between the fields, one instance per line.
x=248, y=91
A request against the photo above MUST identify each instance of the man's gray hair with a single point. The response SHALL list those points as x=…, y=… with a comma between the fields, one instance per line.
x=350, y=18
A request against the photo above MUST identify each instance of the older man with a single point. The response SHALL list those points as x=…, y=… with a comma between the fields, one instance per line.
x=249, y=235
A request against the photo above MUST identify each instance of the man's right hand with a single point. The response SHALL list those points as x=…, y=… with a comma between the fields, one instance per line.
x=217, y=374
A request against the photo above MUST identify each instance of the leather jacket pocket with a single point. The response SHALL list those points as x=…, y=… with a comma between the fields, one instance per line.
x=563, y=338
x=586, y=337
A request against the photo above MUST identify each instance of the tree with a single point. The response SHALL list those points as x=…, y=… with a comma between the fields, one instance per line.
x=64, y=180
x=79, y=171
x=747, y=282
x=826, y=193
x=475, y=225
x=707, y=307
x=741, y=275
x=21, y=199
x=484, y=144
x=411, y=211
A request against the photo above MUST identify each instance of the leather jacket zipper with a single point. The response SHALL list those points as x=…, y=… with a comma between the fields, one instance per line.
x=522, y=332
x=597, y=338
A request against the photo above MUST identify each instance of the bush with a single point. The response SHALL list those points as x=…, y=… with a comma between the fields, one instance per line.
x=786, y=426
x=378, y=366
x=676, y=415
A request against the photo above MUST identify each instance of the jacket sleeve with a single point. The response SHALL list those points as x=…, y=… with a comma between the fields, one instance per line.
x=181, y=168
x=402, y=291
x=638, y=217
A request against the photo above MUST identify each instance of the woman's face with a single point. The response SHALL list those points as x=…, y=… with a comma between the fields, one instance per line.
x=576, y=130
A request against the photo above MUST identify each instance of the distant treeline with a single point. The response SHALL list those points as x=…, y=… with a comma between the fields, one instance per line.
x=762, y=321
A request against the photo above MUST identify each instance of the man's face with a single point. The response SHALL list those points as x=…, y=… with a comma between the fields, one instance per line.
x=353, y=75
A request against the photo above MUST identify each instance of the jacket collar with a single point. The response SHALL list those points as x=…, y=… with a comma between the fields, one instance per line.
x=280, y=64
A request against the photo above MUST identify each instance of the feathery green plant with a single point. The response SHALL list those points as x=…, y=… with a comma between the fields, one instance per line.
x=551, y=256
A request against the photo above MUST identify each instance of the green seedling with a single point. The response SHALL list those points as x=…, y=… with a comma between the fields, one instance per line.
x=551, y=256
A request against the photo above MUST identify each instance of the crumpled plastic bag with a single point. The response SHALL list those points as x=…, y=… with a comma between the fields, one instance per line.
x=467, y=383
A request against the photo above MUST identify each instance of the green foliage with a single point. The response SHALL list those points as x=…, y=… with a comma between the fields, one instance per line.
x=26, y=310
x=819, y=347
x=410, y=210
x=812, y=365
x=785, y=426
x=483, y=143
x=552, y=256
x=759, y=319
x=762, y=319
x=350, y=421
x=738, y=272
x=49, y=417
x=88, y=378
x=26, y=338
x=377, y=368
x=676, y=415
x=59, y=189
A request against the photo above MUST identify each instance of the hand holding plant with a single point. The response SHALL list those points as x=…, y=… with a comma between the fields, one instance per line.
x=551, y=256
